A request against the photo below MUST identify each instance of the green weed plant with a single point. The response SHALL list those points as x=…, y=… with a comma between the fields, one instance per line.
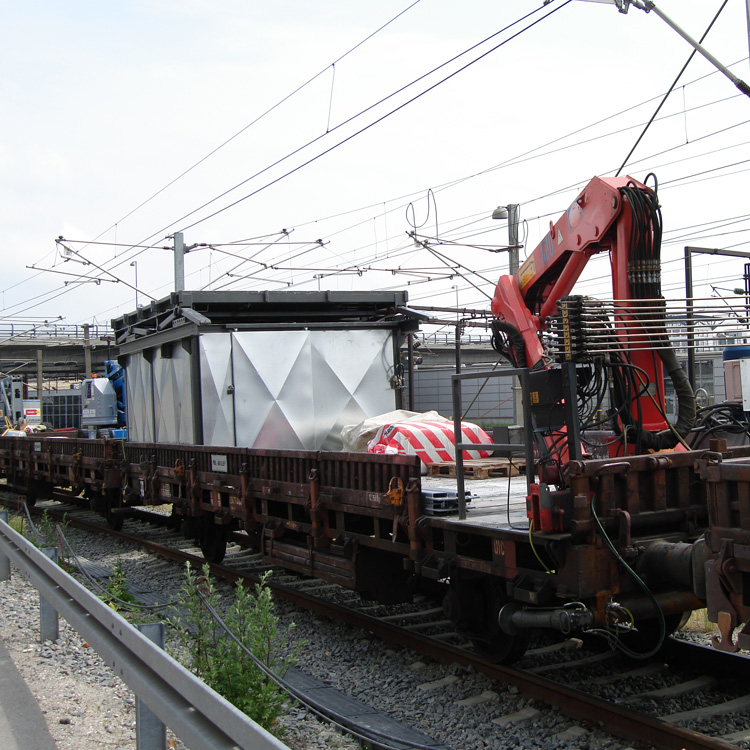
x=47, y=536
x=221, y=662
x=117, y=592
x=17, y=523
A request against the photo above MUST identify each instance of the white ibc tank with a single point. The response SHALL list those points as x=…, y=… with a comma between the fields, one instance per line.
x=737, y=375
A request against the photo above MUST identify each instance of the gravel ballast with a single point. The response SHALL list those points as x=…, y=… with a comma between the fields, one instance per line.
x=88, y=707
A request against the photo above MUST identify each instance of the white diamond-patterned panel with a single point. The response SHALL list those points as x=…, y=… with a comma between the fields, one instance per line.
x=173, y=406
x=264, y=362
x=139, y=399
x=217, y=405
x=296, y=389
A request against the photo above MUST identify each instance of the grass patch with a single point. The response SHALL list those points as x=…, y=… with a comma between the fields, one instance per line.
x=17, y=523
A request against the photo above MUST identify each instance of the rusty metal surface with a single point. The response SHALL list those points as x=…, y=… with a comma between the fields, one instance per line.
x=319, y=512
x=335, y=499
x=614, y=719
x=727, y=563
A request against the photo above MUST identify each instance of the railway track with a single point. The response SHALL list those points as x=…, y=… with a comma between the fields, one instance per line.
x=680, y=699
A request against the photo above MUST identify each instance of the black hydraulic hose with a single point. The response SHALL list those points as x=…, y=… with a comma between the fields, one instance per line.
x=683, y=390
x=685, y=406
x=515, y=352
x=645, y=282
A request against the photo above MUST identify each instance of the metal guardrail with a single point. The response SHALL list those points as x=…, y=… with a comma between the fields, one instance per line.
x=198, y=715
x=54, y=331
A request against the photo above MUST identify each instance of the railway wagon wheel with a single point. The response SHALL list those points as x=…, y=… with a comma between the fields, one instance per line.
x=473, y=606
x=213, y=541
x=114, y=520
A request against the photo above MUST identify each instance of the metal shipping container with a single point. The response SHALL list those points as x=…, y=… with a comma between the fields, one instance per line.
x=261, y=369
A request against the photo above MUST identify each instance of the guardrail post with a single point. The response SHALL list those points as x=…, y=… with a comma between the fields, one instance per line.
x=49, y=622
x=4, y=559
x=150, y=733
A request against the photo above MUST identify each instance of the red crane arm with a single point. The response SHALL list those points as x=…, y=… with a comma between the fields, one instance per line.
x=619, y=215
x=598, y=220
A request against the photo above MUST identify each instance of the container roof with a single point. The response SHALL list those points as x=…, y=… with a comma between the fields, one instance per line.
x=267, y=309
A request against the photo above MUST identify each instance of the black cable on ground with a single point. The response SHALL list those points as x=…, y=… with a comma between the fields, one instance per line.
x=357, y=731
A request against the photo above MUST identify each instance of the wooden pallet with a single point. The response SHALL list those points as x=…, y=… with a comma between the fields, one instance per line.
x=478, y=468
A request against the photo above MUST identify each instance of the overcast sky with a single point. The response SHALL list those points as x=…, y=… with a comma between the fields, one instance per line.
x=233, y=121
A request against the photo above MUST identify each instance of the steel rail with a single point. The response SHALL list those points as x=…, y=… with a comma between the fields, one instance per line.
x=611, y=718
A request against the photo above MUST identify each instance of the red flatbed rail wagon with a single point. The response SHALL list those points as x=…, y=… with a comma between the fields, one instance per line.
x=363, y=521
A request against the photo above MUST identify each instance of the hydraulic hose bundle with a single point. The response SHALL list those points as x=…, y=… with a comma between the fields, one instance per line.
x=644, y=278
x=620, y=349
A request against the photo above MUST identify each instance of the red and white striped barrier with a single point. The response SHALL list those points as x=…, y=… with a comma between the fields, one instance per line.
x=433, y=442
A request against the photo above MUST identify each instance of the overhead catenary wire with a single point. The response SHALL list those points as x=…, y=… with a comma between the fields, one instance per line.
x=478, y=269
x=466, y=243
x=351, y=119
x=123, y=261
x=257, y=119
x=671, y=88
x=260, y=117
x=369, y=125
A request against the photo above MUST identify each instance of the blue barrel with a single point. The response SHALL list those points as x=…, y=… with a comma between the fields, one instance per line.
x=738, y=351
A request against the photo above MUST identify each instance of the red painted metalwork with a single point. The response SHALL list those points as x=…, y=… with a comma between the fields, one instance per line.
x=599, y=220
